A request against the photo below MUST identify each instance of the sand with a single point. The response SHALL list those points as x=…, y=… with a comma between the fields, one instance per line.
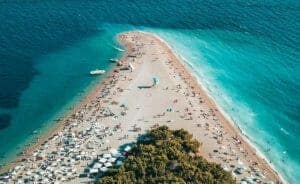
x=127, y=100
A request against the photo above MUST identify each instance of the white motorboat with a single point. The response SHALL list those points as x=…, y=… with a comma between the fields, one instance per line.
x=97, y=72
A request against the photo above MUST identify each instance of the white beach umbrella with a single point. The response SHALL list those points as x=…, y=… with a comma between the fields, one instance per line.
x=127, y=148
x=108, y=164
x=93, y=171
x=97, y=165
x=117, y=155
x=103, y=169
x=112, y=160
x=226, y=168
x=103, y=160
x=17, y=167
x=107, y=155
x=78, y=157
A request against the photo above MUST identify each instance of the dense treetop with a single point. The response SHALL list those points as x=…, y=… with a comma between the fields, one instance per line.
x=166, y=156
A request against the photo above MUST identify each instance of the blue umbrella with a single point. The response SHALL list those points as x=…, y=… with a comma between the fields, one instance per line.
x=155, y=80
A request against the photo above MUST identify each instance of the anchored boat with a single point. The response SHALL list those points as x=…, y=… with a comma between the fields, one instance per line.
x=97, y=72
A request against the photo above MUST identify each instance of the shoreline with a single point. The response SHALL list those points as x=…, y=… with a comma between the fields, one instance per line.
x=223, y=113
x=57, y=121
x=189, y=79
x=49, y=125
x=226, y=116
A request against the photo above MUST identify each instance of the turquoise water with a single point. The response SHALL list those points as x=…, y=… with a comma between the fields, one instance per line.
x=250, y=83
x=245, y=54
x=63, y=77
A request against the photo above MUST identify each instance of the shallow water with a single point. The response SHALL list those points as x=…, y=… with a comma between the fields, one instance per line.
x=247, y=82
x=245, y=54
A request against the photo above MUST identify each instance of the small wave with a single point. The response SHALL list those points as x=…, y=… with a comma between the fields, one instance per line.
x=119, y=49
x=284, y=131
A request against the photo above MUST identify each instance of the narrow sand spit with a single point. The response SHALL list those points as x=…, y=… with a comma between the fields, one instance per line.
x=125, y=105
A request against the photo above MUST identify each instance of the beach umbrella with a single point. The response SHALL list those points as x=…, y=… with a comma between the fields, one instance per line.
x=103, y=160
x=97, y=165
x=155, y=80
x=93, y=171
x=111, y=159
x=127, y=148
x=17, y=167
x=108, y=164
x=103, y=169
x=78, y=157
x=107, y=155
x=239, y=170
x=131, y=67
x=226, y=168
x=117, y=155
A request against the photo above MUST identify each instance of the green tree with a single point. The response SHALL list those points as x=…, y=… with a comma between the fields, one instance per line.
x=166, y=156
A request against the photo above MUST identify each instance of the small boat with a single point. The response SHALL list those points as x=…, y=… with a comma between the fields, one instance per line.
x=97, y=72
x=114, y=60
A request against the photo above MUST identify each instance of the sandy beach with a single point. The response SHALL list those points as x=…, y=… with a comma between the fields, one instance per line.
x=126, y=104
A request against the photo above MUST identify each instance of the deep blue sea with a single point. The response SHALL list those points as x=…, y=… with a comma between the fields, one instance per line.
x=246, y=55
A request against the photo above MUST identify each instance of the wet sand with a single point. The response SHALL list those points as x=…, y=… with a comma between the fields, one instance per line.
x=125, y=104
